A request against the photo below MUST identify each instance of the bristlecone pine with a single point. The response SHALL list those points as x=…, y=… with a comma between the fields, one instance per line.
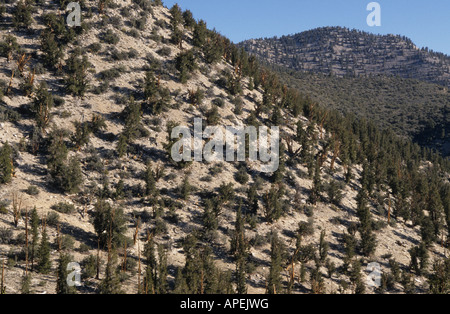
x=86, y=143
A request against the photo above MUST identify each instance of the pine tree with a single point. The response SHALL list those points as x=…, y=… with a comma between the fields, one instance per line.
x=180, y=283
x=419, y=258
x=252, y=200
x=44, y=264
x=62, y=273
x=109, y=223
x=163, y=285
x=356, y=278
x=25, y=287
x=199, y=35
x=42, y=106
x=436, y=210
x=9, y=47
x=111, y=283
x=73, y=176
x=185, y=189
x=77, y=81
x=317, y=187
x=6, y=163
x=323, y=247
x=188, y=19
x=334, y=191
x=34, y=234
x=22, y=18
x=52, y=52
x=176, y=16
x=439, y=280
x=274, y=282
x=185, y=63
x=239, y=248
x=273, y=209
x=368, y=239
x=150, y=278
x=150, y=181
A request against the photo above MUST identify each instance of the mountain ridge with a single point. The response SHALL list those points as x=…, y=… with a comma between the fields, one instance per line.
x=342, y=51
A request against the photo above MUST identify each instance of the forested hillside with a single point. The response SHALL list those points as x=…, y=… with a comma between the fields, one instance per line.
x=411, y=108
x=385, y=79
x=87, y=175
x=343, y=52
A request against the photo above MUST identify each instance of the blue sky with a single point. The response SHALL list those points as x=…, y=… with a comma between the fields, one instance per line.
x=427, y=23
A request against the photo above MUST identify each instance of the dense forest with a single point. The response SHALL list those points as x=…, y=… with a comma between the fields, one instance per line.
x=86, y=174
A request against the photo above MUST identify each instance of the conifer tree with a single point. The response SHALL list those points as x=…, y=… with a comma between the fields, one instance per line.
x=368, y=239
x=150, y=181
x=185, y=63
x=436, y=210
x=439, y=279
x=150, y=271
x=356, y=278
x=239, y=248
x=185, y=189
x=188, y=19
x=252, y=200
x=317, y=187
x=419, y=258
x=272, y=200
x=25, y=286
x=6, y=163
x=323, y=247
x=77, y=81
x=180, y=283
x=52, y=52
x=22, y=18
x=62, y=286
x=34, y=234
x=200, y=33
x=73, y=176
x=111, y=283
x=42, y=106
x=176, y=17
x=109, y=224
x=163, y=285
x=44, y=264
x=274, y=282
x=9, y=47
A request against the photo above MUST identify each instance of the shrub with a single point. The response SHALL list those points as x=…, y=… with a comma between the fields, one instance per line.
x=32, y=190
x=164, y=51
x=110, y=37
x=242, y=176
x=64, y=208
x=5, y=236
x=52, y=219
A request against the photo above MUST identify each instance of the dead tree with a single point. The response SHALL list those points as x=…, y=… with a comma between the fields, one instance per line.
x=22, y=62
x=17, y=207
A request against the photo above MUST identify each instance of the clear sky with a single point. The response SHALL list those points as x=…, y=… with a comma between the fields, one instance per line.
x=427, y=23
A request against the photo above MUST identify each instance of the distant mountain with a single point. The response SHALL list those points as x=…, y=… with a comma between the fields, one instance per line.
x=341, y=51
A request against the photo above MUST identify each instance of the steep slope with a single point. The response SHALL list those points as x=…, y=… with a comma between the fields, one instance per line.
x=411, y=108
x=340, y=51
x=385, y=79
x=96, y=169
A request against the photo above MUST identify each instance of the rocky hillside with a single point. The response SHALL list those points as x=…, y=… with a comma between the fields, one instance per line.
x=86, y=176
x=343, y=52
